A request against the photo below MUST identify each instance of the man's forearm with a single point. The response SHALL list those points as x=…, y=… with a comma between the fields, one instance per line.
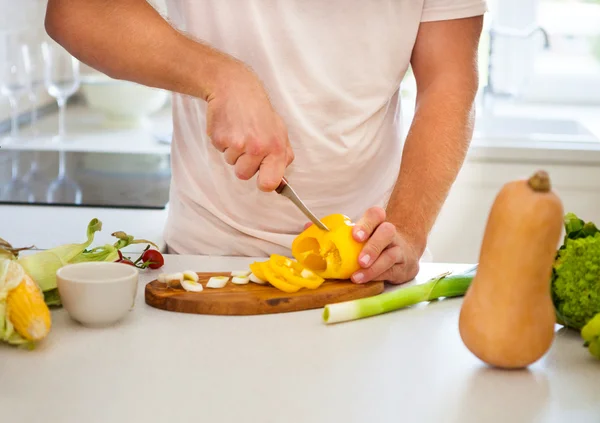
x=434, y=152
x=128, y=39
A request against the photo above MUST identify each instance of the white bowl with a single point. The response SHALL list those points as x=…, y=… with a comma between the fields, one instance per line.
x=121, y=102
x=97, y=294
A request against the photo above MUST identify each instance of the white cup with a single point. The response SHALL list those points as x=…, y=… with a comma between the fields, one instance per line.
x=97, y=294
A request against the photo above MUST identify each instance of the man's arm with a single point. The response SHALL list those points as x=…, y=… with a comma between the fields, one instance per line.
x=128, y=39
x=444, y=63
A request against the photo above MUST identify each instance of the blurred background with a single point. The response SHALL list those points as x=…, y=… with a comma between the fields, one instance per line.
x=73, y=137
x=70, y=135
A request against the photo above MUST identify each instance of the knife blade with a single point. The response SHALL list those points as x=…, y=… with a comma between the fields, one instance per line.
x=286, y=190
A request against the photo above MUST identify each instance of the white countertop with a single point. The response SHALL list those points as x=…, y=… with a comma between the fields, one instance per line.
x=88, y=131
x=405, y=366
x=50, y=226
x=537, y=147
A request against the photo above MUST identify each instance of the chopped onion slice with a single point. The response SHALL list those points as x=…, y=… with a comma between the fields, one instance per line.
x=238, y=280
x=217, y=282
x=192, y=286
x=240, y=273
x=256, y=279
x=162, y=278
x=172, y=278
x=190, y=276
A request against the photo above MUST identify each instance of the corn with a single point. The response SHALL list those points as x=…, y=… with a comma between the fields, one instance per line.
x=27, y=311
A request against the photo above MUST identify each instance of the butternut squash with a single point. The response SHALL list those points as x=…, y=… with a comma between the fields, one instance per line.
x=507, y=317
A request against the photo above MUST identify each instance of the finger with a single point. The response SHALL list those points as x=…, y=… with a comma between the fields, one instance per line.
x=271, y=171
x=307, y=225
x=247, y=166
x=289, y=155
x=400, y=273
x=384, y=262
x=286, y=145
x=219, y=143
x=367, y=224
x=383, y=237
x=232, y=154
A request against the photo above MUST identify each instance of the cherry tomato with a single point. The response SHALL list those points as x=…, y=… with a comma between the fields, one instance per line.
x=154, y=259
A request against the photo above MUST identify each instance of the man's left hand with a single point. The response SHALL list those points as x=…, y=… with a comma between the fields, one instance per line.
x=387, y=254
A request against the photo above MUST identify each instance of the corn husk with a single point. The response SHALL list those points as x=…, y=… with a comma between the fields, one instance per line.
x=42, y=266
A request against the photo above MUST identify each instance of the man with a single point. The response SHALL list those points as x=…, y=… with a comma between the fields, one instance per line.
x=305, y=88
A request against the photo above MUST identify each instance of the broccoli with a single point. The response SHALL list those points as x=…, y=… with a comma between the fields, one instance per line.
x=591, y=335
x=575, y=283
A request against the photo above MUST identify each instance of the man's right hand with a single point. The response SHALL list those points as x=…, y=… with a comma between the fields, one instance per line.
x=243, y=125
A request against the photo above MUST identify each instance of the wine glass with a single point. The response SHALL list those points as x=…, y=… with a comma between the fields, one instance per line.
x=34, y=66
x=36, y=180
x=61, y=77
x=63, y=189
x=14, y=79
x=17, y=189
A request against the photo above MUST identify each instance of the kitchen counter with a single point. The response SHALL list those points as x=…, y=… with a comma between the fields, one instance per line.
x=409, y=366
x=50, y=226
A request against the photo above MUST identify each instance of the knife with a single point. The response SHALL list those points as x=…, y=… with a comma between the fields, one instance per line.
x=286, y=190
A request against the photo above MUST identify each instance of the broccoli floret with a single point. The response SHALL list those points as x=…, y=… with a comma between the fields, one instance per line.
x=576, y=274
x=591, y=335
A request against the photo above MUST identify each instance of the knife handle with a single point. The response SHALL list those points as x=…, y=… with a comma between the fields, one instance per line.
x=282, y=185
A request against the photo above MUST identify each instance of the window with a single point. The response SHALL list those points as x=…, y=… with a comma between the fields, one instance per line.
x=539, y=63
x=545, y=50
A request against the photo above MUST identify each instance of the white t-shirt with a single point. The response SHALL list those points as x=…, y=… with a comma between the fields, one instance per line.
x=332, y=70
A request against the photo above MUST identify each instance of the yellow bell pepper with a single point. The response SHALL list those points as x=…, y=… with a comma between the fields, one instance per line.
x=257, y=269
x=330, y=254
x=277, y=281
x=292, y=272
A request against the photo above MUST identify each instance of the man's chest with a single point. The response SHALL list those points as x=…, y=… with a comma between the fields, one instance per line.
x=336, y=39
x=324, y=26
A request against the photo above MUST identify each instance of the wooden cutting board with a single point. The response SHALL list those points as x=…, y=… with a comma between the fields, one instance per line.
x=252, y=298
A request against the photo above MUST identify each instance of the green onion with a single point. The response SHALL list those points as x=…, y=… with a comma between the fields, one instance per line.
x=442, y=286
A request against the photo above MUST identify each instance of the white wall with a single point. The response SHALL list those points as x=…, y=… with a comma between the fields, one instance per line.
x=459, y=230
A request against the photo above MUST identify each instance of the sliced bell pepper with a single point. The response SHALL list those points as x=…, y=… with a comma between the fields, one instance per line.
x=292, y=271
x=277, y=281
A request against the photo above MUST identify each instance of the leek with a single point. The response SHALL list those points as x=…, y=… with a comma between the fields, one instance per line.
x=442, y=286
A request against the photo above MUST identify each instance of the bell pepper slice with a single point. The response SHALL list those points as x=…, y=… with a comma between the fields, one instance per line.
x=292, y=272
x=277, y=281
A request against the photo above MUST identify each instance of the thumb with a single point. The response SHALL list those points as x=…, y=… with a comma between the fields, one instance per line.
x=367, y=224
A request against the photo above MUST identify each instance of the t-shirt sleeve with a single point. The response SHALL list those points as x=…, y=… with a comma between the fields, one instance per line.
x=441, y=10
